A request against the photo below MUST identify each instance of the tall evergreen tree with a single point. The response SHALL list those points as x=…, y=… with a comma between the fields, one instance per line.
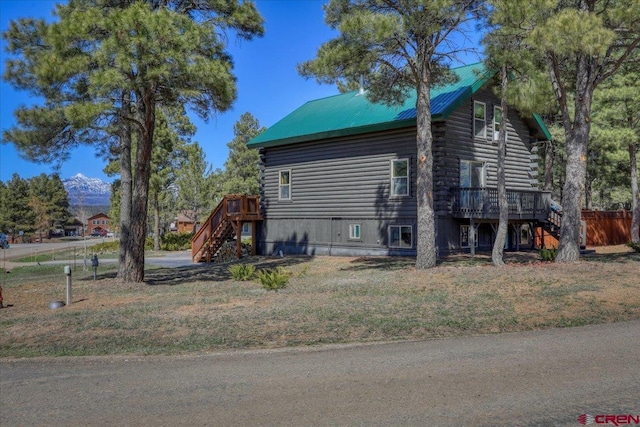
x=519, y=84
x=241, y=175
x=173, y=133
x=617, y=122
x=49, y=201
x=3, y=211
x=17, y=215
x=399, y=47
x=583, y=43
x=105, y=67
x=194, y=192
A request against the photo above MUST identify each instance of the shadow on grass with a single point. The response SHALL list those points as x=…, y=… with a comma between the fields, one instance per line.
x=618, y=257
x=211, y=272
x=380, y=263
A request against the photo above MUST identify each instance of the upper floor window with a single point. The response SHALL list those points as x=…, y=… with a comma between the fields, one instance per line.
x=479, y=119
x=471, y=174
x=284, y=185
x=400, y=177
x=497, y=122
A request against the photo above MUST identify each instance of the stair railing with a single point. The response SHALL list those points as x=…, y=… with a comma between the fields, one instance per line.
x=205, y=232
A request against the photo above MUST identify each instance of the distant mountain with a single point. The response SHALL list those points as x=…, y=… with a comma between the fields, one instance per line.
x=84, y=191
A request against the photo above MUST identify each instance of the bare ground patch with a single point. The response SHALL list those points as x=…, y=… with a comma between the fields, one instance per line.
x=328, y=300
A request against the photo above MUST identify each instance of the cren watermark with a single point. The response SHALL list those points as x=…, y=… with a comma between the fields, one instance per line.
x=615, y=420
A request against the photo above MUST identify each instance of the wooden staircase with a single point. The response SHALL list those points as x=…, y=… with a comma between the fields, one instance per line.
x=225, y=224
x=552, y=226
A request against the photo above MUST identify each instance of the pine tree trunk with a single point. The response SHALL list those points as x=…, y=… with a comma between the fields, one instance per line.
x=125, y=263
x=635, y=194
x=549, y=153
x=140, y=200
x=497, y=254
x=588, y=199
x=569, y=246
x=576, y=172
x=426, y=256
x=156, y=222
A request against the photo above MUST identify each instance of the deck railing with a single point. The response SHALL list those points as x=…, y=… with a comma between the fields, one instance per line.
x=483, y=203
x=233, y=207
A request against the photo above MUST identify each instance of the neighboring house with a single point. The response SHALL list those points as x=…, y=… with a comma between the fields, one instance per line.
x=338, y=175
x=184, y=223
x=73, y=227
x=98, y=224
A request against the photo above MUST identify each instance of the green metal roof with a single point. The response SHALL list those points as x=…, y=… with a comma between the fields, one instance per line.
x=352, y=113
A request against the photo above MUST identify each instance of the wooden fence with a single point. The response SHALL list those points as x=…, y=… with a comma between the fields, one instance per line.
x=604, y=228
x=607, y=227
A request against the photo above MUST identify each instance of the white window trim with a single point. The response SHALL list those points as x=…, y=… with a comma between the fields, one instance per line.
x=496, y=135
x=352, y=233
x=469, y=231
x=400, y=226
x=280, y=185
x=392, y=177
x=484, y=120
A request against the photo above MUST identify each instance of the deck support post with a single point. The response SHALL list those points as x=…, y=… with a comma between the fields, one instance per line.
x=239, y=239
x=254, y=235
x=472, y=236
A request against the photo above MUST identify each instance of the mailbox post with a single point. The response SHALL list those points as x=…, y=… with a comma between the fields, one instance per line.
x=67, y=272
x=94, y=264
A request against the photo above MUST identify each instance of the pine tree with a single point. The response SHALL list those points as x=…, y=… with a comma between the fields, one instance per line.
x=617, y=123
x=397, y=47
x=241, y=175
x=519, y=84
x=105, y=67
x=194, y=191
x=17, y=215
x=583, y=43
x=49, y=201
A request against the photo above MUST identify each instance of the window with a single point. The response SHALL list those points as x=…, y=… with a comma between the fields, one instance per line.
x=497, y=122
x=246, y=228
x=471, y=174
x=400, y=177
x=479, y=119
x=465, y=237
x=400, y=236
x=354, y=231
x=471, y=177
x=284, y=186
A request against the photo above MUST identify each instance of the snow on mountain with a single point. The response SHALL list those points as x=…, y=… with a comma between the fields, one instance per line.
x=87, y=191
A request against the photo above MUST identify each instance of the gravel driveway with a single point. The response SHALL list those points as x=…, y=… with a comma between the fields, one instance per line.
x=540, y=378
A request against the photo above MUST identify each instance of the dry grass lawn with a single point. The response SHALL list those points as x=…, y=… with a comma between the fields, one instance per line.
x=328, y=300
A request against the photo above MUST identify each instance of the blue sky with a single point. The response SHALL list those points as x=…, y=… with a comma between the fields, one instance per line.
x=268, y=85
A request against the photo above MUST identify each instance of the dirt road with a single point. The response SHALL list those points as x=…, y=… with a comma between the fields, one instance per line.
x=541, y=378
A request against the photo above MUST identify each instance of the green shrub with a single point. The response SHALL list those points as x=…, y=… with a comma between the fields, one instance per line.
x=176, y=242
x=275, y=279
x=548, y=254
x=634, y=245
x=242, y=272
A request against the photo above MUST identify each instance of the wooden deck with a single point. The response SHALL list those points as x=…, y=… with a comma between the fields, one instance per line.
x=482, y=203
x=225, y=224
